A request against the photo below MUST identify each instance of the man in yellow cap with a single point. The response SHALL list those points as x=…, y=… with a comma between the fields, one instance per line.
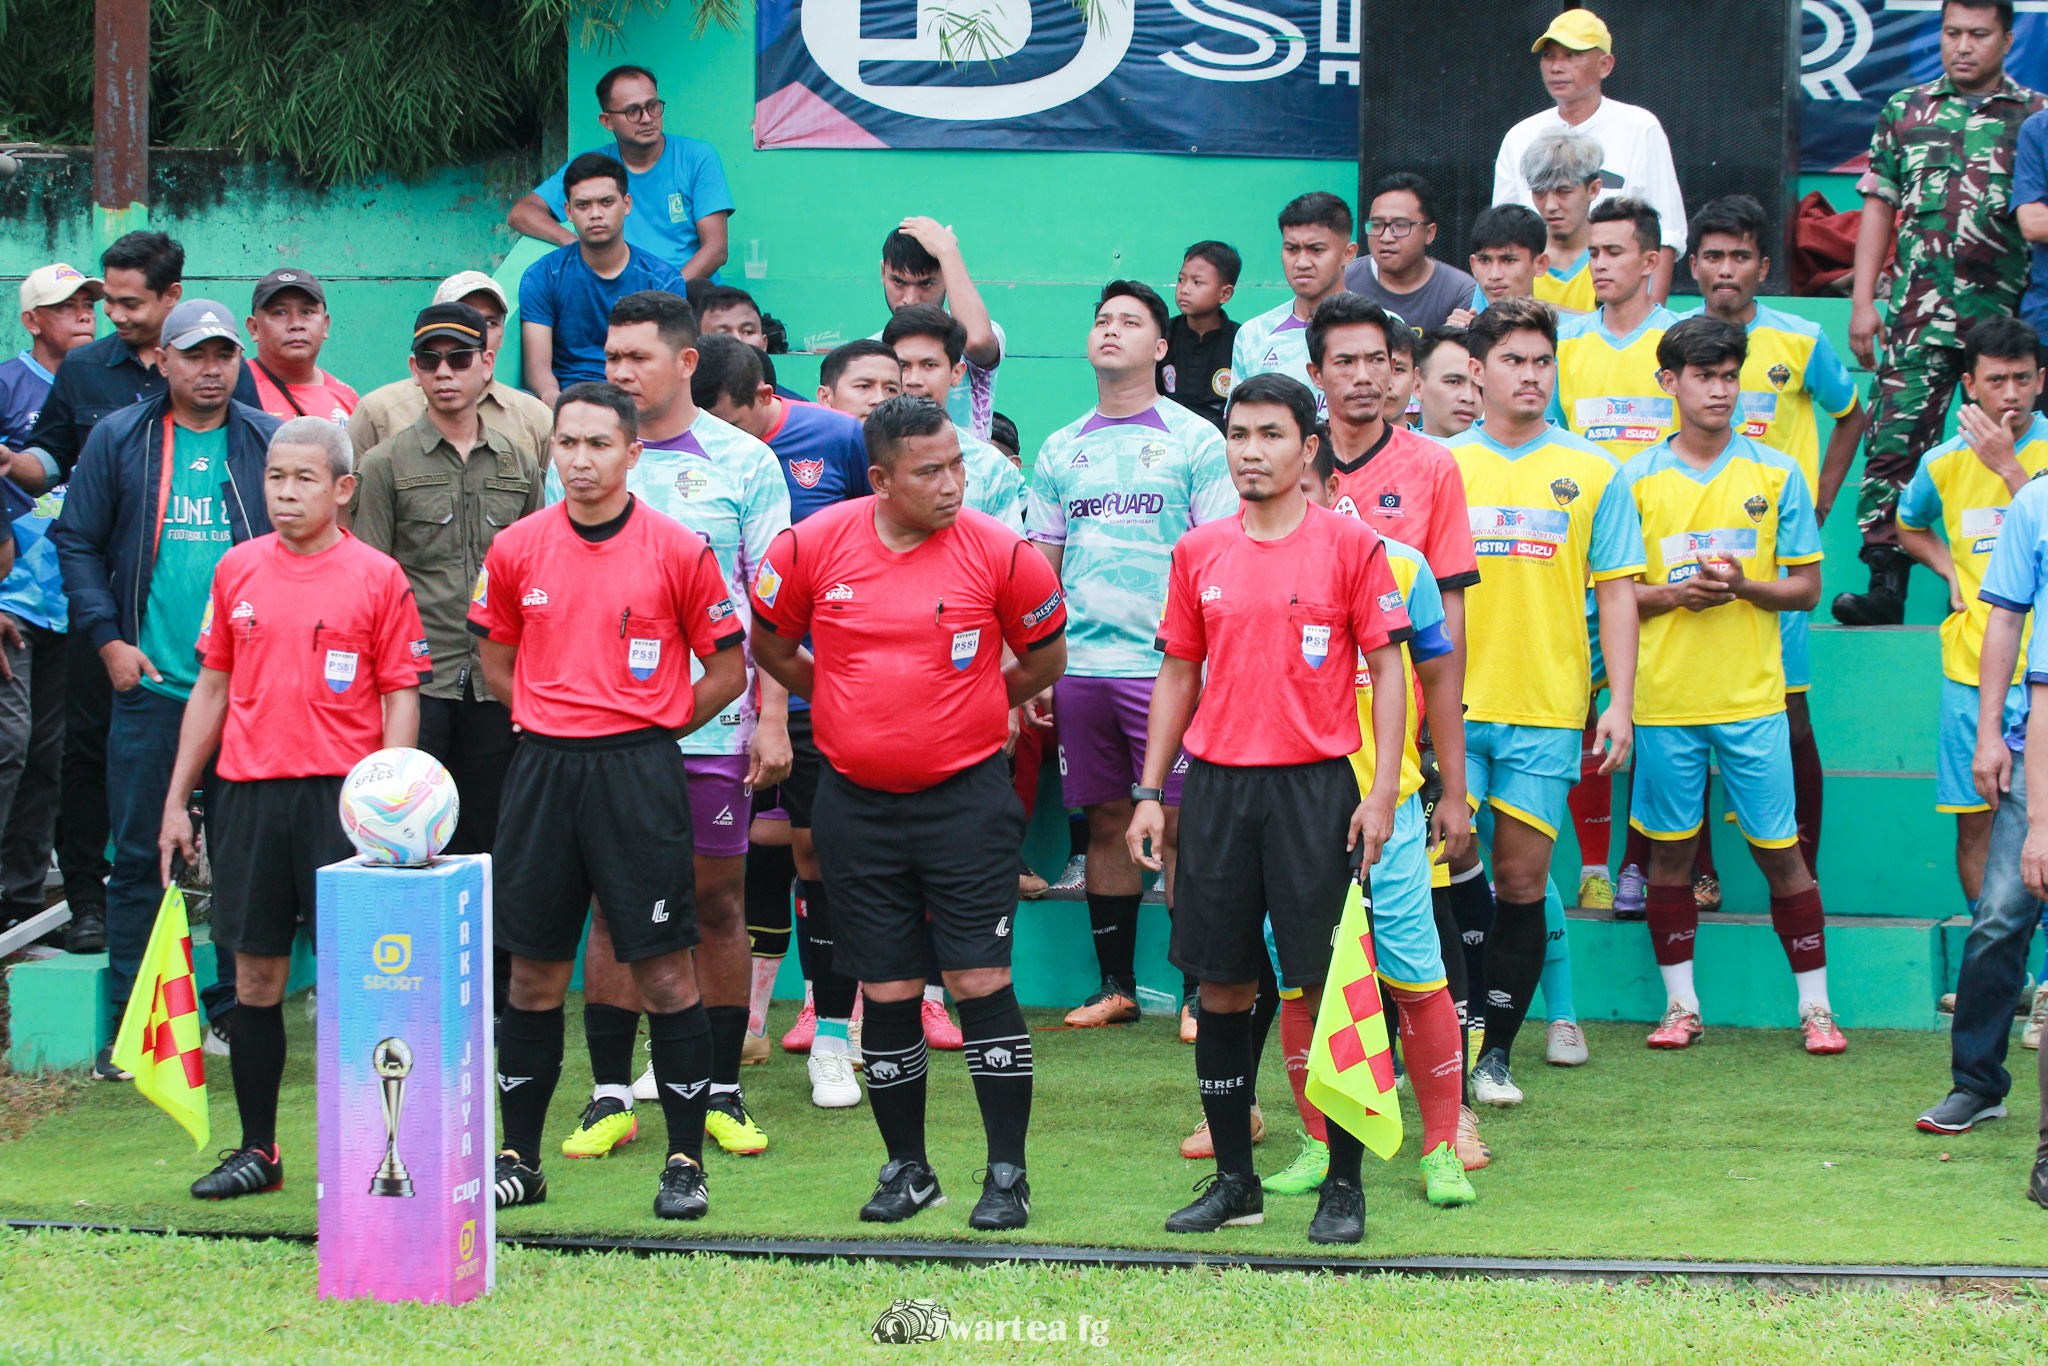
x=1576, y=53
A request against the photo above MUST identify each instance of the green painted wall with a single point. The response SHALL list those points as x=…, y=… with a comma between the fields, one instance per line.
x=379, y=247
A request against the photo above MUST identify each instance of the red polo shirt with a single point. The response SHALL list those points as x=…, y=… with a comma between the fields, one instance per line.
x=604, y=629
x=908, y=645
x=1281, y=625
x=1410, y=488
x=310, y=644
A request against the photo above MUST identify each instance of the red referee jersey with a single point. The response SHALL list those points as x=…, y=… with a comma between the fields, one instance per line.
x=908, y=646
x=1281, y=625
x=310, y=644
x=604, y=629
x=1411, y=489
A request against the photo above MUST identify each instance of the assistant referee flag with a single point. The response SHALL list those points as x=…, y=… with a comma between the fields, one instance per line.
x=1351, y=1065
x=162, y=1032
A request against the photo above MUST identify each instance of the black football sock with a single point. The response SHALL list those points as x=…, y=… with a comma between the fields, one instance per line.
x=1114, y=923
x=1514, y=965
x=770, y=870
x=529, y=1065
x=801, y=931
x=1472, y=907
x=1347, y=1154
x=999, y=1060
x=728, y=1033
x=892, y=1044
x=832, y=991
x=257, y=1063
x=681, y=1044
x=1223, y=1067
x=609, y=1032
x=1265, y=1007
x=1077, y=837
x=1451, y=942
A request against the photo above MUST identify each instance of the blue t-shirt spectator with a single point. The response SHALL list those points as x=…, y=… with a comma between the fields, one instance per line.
x=560, y=291
x=687, y=183
x=2017, y=580
x=2030, y=186
x=33, y=590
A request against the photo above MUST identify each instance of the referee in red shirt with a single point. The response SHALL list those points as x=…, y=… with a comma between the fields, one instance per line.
x=910, y=600
x=312, y=656
x=1278, y=603
x=589, y=612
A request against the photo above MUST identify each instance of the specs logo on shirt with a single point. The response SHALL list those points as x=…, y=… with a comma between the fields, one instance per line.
x=1779, y=375
x=839, y=592
x=243, y=612
x=807, y=472
x=1566, y=491
x=1152, y=454
x=535, y=597
x=1756, y=507
x=1212, y=594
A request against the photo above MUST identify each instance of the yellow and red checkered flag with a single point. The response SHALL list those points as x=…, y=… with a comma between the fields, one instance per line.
x=1351, y=1064
x=162, y=1031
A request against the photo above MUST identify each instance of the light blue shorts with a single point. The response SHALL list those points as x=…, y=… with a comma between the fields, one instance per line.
x=1793, y=637
x=1525, y=771
x=1956, y=743
x=1404, y=940
x=1755, y=759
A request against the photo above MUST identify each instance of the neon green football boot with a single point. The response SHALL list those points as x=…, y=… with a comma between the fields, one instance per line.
x=606, y=1125
x=1305, y=1174
x=1444, y=1180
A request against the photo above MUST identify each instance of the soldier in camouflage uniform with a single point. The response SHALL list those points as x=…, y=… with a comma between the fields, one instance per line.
x=1941, y=162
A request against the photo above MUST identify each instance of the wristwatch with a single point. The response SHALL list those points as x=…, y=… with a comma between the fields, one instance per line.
x=1147, y=794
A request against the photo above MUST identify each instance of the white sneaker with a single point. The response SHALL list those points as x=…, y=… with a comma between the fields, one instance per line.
x=1493, y=1084
x=832, y=1083
x=1073, y=877
x=215, y=1043
x=1567, y=1044
x=646, y=1088
x=2030, y=1037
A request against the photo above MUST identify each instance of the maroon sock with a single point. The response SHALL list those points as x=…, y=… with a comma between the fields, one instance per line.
x=1801, y=929
x=1806, y=797
x=1674, y=923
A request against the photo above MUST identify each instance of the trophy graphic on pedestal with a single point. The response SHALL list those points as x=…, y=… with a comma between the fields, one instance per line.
x=392, y=1061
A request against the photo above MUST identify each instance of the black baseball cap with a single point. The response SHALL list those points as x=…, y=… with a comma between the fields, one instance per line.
x=283, y=278
x=458, y=321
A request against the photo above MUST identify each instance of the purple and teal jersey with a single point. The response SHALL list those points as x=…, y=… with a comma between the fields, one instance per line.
x=1275, y=342
x=993, y=484
x=1117, y=493
x=728, y=488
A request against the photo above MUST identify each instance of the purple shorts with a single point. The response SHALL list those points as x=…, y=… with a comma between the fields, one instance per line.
x=1102, y=739
x=719, y=805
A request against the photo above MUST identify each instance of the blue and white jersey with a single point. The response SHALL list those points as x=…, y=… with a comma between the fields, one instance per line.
x=1275, y=342
x=1117, y=493
x=728, y=488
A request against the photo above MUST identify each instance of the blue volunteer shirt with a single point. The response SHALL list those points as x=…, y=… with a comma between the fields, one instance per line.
x=2017, y=580
x=561, y=292
x=2030, y=186
x=686, y=184
x=33, y=590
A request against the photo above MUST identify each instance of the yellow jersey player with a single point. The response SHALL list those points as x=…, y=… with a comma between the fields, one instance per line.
x=1563, y=171
x=1717, y=516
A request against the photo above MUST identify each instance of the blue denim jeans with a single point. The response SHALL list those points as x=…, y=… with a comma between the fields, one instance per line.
x=142, y=746
x=1995, y=954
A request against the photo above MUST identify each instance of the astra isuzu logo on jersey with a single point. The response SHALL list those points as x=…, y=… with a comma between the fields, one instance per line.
x=1519, y=532
x=1981, y=527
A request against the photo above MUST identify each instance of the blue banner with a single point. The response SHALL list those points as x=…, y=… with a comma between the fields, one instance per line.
x=1858, y=53
x=1217, y=77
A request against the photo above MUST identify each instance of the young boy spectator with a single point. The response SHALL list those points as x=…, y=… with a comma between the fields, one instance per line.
x=1196, y=371
x=921, y=264
x=1397, y=274
x=288, y=322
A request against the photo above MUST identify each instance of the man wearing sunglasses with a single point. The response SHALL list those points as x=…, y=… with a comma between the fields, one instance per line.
x=680, y=199
x=433, y=496
x=1392, y=268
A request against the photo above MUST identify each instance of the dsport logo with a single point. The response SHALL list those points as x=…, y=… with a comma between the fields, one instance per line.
x=392, y=953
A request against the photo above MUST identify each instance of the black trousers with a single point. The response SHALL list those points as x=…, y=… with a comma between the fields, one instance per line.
x=83, y=823
x=474, y=740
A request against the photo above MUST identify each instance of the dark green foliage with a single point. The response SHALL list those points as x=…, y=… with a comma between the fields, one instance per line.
x=341, y=88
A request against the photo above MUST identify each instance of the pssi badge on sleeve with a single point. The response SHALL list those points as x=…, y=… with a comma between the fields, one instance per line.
x=643, y=657
x=966, y=645
x=341, y=669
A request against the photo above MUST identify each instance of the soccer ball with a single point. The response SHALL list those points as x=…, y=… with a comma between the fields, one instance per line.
x=399, y=806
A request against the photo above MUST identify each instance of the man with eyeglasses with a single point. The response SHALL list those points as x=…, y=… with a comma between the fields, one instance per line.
x=678, y=185
x=433, y=496
x=1393, y=270
x=517, y=415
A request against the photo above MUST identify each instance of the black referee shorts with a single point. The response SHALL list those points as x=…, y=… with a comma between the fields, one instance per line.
x=889, y=857
x=807, y=764
x=1258, y=843
x=267, y=838
x=607, y=817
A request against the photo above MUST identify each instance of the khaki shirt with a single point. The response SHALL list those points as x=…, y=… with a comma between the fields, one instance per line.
x=386, y=411
x=420, y=502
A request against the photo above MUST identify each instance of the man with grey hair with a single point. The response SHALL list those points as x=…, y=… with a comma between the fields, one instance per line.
x=137, y=546
x=1562, y=171
x=1575, y=54
x=523, y=419
x=289, y=723
x=433, y=495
